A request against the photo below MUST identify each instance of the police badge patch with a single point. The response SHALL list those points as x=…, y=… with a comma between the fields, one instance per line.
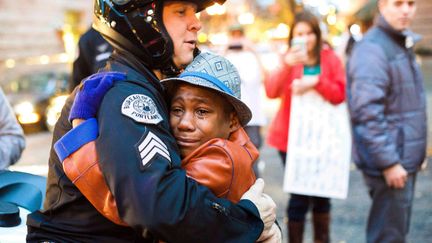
x=141, y=108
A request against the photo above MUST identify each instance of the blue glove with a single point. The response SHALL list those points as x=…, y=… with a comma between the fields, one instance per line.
x=91, y=93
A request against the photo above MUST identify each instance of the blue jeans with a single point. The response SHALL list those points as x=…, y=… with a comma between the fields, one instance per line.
x=390, y=213
x=298, y=205
x=254, y=133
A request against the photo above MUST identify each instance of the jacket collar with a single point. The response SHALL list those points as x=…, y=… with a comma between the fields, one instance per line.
x=123, y=61
x=405, y=38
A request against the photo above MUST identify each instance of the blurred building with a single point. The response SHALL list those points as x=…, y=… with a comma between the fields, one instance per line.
x=40, y=32
x=422, y=25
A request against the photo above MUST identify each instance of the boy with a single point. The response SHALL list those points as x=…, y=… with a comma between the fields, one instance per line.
x=206, y=118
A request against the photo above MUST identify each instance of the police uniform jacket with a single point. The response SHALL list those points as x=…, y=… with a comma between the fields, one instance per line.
x=141, y=166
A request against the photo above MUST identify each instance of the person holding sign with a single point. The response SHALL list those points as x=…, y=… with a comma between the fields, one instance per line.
x=307, y=65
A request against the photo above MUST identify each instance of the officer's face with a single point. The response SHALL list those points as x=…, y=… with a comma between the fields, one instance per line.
x=182, y=25
x=198, y=115
x=398, y=13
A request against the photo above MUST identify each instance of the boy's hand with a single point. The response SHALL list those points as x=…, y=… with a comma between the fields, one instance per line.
x=91, y=92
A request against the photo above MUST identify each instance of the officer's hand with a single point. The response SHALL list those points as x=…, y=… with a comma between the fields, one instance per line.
x=265, y=204
x=274, y=235
x=91, y=92
x=396, y=176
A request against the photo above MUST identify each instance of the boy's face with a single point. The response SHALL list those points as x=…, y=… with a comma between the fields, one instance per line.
x=182, y=25
x=198, y=115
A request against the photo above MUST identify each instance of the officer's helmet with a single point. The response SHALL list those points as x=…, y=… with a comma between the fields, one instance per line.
x=136, y=26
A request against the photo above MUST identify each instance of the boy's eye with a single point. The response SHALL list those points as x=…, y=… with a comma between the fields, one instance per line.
x=176, y=111
x=202, y=112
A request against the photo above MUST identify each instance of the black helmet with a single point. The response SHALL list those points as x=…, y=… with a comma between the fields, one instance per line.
x=137, y=26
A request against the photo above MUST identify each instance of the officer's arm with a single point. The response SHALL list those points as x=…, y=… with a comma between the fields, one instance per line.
x=141, y=165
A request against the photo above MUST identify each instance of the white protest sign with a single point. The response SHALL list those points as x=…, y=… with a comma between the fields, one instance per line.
x=319, y=147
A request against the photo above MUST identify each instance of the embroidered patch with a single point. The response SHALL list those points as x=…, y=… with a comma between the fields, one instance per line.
x=150, y=146
x=141, y=108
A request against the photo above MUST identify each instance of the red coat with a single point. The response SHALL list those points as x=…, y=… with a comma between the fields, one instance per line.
x=331, y=86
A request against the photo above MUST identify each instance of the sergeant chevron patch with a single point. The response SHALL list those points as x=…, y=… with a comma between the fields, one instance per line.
x=150, y=146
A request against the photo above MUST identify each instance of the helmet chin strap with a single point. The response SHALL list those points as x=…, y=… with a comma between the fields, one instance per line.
x=172, y=70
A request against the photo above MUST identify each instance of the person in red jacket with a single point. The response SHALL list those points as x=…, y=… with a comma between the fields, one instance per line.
x=310, y=57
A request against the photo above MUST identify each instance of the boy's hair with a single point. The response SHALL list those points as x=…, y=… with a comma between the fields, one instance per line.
x=216, y=73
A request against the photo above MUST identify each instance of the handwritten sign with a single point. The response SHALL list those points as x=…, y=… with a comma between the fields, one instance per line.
x=319, y=148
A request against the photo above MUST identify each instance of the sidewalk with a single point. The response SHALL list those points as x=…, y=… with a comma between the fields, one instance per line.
x=349, y=216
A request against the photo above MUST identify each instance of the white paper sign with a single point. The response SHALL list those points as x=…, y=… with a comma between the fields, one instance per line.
x=319, y=148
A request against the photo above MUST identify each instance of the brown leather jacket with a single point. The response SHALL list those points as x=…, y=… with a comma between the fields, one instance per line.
x=224, y=166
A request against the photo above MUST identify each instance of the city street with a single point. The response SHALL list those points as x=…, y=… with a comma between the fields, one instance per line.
x=284, y=49
x=349, y=216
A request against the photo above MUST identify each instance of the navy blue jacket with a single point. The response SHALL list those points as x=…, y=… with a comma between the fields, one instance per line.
x=386, y=100
x=93, y=53
x=141, y=165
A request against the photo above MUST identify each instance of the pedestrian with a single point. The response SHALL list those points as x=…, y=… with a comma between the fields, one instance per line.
x=138, y=155
x=206, y=117
x=312, y=58
x=242, y=54
x=12, y=141
x=93, y=53
x=387, y=106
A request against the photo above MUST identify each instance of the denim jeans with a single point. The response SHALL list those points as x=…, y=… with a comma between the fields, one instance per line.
x=254, y=133
x=390, y=212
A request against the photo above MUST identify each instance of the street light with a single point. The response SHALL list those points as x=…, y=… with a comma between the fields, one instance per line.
x=216, y=10
x=246, y=18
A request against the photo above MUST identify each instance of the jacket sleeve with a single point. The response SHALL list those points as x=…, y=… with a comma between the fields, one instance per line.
x=141, y=165
x=278, y=82
x=367, y=92
x=77, y=153
x=332, y=85
x=12, y=140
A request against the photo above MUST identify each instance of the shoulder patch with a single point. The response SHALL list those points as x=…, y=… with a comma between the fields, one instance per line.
x=150, y=146
x=141, y=108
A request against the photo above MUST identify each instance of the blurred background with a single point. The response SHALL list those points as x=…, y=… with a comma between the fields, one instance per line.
x=38, y=44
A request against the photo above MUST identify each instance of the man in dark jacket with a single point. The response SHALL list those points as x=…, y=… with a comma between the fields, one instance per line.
x=138, y=155
x=93, y=53
x=388, y=115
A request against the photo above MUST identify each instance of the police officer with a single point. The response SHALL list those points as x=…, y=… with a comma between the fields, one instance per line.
x=93, y=52
x=138, y=155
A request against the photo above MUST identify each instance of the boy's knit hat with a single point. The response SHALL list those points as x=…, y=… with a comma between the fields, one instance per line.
x=217, y=73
